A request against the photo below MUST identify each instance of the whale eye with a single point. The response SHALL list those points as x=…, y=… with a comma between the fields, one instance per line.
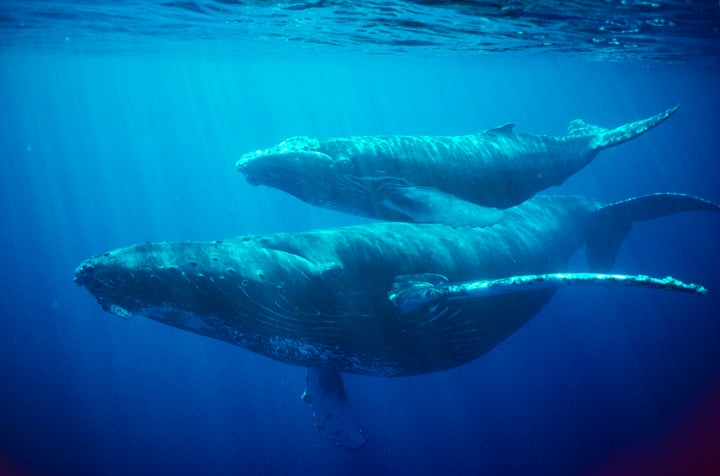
x=343, y=163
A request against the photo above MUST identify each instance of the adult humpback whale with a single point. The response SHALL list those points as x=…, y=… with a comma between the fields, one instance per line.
x=386, y=299
x=421, y=179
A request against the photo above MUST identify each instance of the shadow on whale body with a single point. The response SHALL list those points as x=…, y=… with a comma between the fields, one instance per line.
x=386, y=299
x=426, y=179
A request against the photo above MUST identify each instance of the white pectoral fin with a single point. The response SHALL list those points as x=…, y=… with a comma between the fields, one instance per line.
x=325, y=392
x=430, y=205
x=409, y=295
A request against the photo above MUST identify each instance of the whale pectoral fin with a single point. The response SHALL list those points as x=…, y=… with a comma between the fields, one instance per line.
x=361, y=195
x=413, y=296
x=430, y=205
x=325, y=392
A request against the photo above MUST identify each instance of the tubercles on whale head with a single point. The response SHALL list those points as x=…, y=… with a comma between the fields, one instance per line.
x=105, y=279
x=298, y=161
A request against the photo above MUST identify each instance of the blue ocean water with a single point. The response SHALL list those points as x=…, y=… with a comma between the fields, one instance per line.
x=121, y=123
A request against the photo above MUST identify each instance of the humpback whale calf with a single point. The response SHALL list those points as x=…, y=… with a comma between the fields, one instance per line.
x=420, y=178
x=387, y=299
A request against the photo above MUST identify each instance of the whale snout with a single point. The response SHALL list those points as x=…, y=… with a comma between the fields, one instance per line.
x=284, y=167
x=94, y=274
x=84, y=273
x=87, y=276
x=100, y=279
x=243, y=166
x=246, y=159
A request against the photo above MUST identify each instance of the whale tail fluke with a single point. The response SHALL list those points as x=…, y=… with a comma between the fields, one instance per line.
x=611, y=223
x=604, y=138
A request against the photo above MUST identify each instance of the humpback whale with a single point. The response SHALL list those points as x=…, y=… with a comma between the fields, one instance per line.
x=420, y=178
x=387, y=299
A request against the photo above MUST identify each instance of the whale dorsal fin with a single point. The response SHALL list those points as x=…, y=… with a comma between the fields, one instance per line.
x=325, y=392
x=504, y=129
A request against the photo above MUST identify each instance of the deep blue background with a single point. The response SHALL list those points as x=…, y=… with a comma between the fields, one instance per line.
x=98, y=152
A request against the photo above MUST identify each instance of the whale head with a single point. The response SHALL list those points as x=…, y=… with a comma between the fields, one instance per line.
x=296, y=159
x=301, y=166
x=224, y=290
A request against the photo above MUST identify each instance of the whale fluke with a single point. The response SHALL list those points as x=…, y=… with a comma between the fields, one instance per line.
x=605, y=138
x=611, y=223
x=410, y=292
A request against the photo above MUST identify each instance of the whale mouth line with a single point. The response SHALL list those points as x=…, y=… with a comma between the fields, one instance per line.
x=302, y=173
x=281, y=168
x=279, y=157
